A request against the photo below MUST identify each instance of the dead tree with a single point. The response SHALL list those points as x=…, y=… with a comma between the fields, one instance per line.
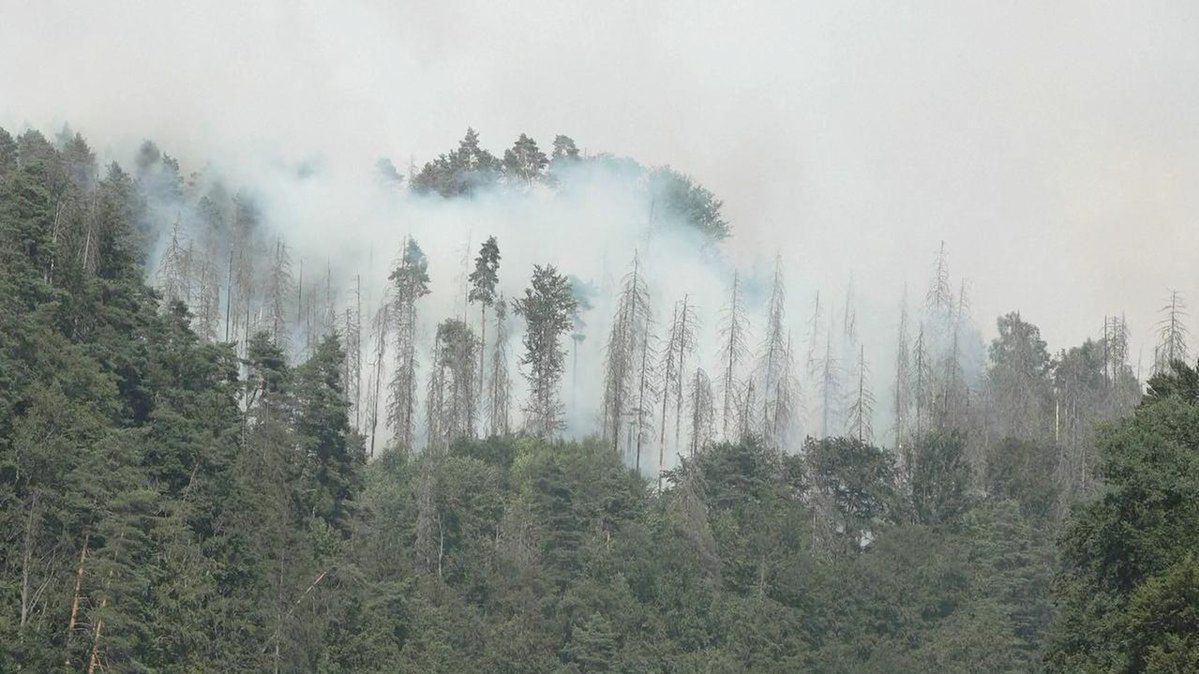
x=733, y=335
x=628, y=344
x=861, y=410
x=1172, y=334
x=774, y=369
x=702, y=413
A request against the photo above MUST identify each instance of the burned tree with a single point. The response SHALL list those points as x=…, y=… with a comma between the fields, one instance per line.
x=861, y=410
x=702, y=413
x=733, y=337
x=1172, y=334
x=627, y=343
x=775, y=378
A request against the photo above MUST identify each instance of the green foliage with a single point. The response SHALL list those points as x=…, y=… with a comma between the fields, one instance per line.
x=940, y=479
x=171, y=507
x=681, y=198
x=1128, y=555
x=1023, y=471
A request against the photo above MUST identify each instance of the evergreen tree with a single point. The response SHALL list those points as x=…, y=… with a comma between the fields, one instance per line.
x=500, y=385
x=451, y=398
x=564, y=148
x=524, y=161
x=483, y=281
x=547, y=306
x=410, y=280
x=1018, y=381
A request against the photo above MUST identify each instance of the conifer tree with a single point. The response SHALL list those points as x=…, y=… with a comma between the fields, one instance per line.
x=939, y=298
x=564, y=148
x=861, y=410
x=482, y=290
x=902, y=391
x=278, y=292
x=451, y=398
x=830, y=386
x=702, y=412
x=500, y=386
x=775, y=385
x=546, y=306
x=380, y=332
x=733, y=337
x=524, y=161
x=1172, y=334
x=626, y=348
x=352, y=367
x=173, y=276
x=680, y=343
x=410, y=282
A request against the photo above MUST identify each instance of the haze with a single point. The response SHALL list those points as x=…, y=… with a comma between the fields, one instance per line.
x=1052, y=146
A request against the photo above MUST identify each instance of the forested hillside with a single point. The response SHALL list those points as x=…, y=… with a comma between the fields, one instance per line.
x=211, y=464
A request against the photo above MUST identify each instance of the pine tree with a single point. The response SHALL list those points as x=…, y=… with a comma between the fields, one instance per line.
x=733, y=337
x=243, y=277
x=352, y=367
x=500, y=386
x=939, y=297
x=830, y=386
x=483, y=281
x=627, y=344
x=922, y=375
x=524, y=161
x=278, y=291
x=322, y=421
x=547, y=306
x=775, y=370
x=861, y=410
x=410, y=280
x=680, y=343
x=380, y=330
x=451, y=398
x=578, y=334
x=1172, y=334
x=564, y=148
x=173, y=277
x=702, y=412
x=902, y=392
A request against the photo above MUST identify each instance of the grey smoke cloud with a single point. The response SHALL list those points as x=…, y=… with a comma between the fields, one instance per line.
x=1053, y=146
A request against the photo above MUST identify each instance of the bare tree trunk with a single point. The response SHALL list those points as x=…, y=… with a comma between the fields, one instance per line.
x=27, y=560
x=482, y=365
x=75, y=599
x=95, y=658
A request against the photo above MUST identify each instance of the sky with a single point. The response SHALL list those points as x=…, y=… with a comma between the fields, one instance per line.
x=1053, y=147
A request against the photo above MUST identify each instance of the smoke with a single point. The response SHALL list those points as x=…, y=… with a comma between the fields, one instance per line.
x=1050, y=149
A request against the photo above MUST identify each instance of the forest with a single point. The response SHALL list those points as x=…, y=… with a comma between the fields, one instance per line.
x=220, y=451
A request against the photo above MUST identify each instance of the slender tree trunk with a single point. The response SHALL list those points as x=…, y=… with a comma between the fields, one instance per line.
x=94, y=661
x=229, y=296
x=27, y=560
x=482, y=364
x=75, y=598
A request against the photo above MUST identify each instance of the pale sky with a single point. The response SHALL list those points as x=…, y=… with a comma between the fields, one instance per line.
x=1054, y=146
